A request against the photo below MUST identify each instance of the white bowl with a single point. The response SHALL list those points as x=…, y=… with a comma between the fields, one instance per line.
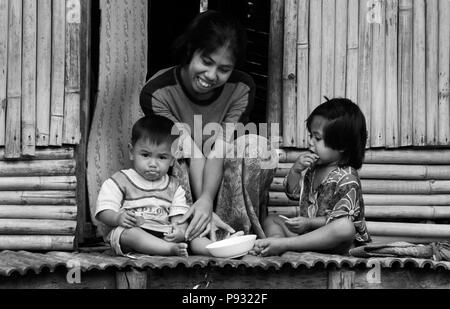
x=232, y=247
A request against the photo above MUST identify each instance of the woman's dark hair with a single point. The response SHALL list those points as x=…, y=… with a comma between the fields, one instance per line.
x=208, y=32
x=157, y=129
x=345, y=131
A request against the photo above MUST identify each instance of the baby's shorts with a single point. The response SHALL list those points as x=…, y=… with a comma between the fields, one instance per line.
x=113, y=239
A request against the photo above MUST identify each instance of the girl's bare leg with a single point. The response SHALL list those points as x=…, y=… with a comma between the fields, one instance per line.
x=138, y=240
x=274, y=227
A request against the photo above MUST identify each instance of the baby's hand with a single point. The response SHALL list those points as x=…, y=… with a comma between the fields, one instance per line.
x=304, y=161
x=177, y=235
x=127, y=219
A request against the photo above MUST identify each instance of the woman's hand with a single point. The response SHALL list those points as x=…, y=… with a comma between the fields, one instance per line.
x=201, y=213
x=305, y=160
x=298, y=225
x=215, y=225
x=126, y=219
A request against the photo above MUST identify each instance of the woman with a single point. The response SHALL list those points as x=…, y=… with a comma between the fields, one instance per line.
x=206, y=89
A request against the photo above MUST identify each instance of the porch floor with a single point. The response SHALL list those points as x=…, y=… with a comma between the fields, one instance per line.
x=73, y=270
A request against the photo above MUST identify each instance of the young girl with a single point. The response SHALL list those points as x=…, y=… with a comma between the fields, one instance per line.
x=325, y=180
x=206, y=88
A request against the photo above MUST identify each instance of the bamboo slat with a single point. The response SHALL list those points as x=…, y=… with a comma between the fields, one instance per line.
x=71, y=132
x=365, y=65
x=413, y=200
x=37, y=168
x=352, y=50
x=3, y=66
x=37, y=198
x=378, y=110
x=419, y=187
x=47, y=154
x=280, y=199
x=14, y=83
x=289, y=74
x=408, y=229
x=340, y=62
x=370, y=186
x=58, y=72
x=392, y=126
x=407, y=212
x=419, y=71
x=315, y=55
x=382, y=212
x=44, y=65
x=328, y=47
x=37, y=227
x=29, y=77
x=302, y=72
x=412, y=240
x=393, y=171
x=37, y=243
x=38, y=212
x=38, y=183
x=432, y=71
x=444, y=72
x=421, y=157
x=275, y=65
x=405, y=67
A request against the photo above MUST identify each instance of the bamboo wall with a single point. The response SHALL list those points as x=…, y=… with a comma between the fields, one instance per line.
x=392, y=57
x=43, y=110
x=39, y=75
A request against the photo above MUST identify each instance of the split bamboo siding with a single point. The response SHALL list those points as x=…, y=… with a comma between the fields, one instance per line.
x=39, y=75
x=392, y=57
x=41, y=45
x=38, y=206
x=406, y=193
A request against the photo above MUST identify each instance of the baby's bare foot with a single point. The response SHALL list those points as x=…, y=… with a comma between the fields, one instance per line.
x=180, y=249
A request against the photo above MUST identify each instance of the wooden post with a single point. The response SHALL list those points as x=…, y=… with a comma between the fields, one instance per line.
x=29, y=77
x=275, y=85
x=131, y=279
x=432, y=70
x=419, y=70
x=290, y=74
x=44, y=67
x=341, y=279
x=302, y=72
x=3, y=66
x=14, y=101
x=392, y=137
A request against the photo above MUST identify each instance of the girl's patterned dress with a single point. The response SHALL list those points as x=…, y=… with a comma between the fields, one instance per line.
x=338, y=196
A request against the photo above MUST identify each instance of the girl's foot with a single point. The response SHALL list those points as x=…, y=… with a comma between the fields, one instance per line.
x=179, y=249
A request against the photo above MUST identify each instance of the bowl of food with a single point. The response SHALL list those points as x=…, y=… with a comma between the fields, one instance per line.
x=232, y=247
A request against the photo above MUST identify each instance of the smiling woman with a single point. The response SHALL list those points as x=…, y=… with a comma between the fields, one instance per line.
x=207, y=88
